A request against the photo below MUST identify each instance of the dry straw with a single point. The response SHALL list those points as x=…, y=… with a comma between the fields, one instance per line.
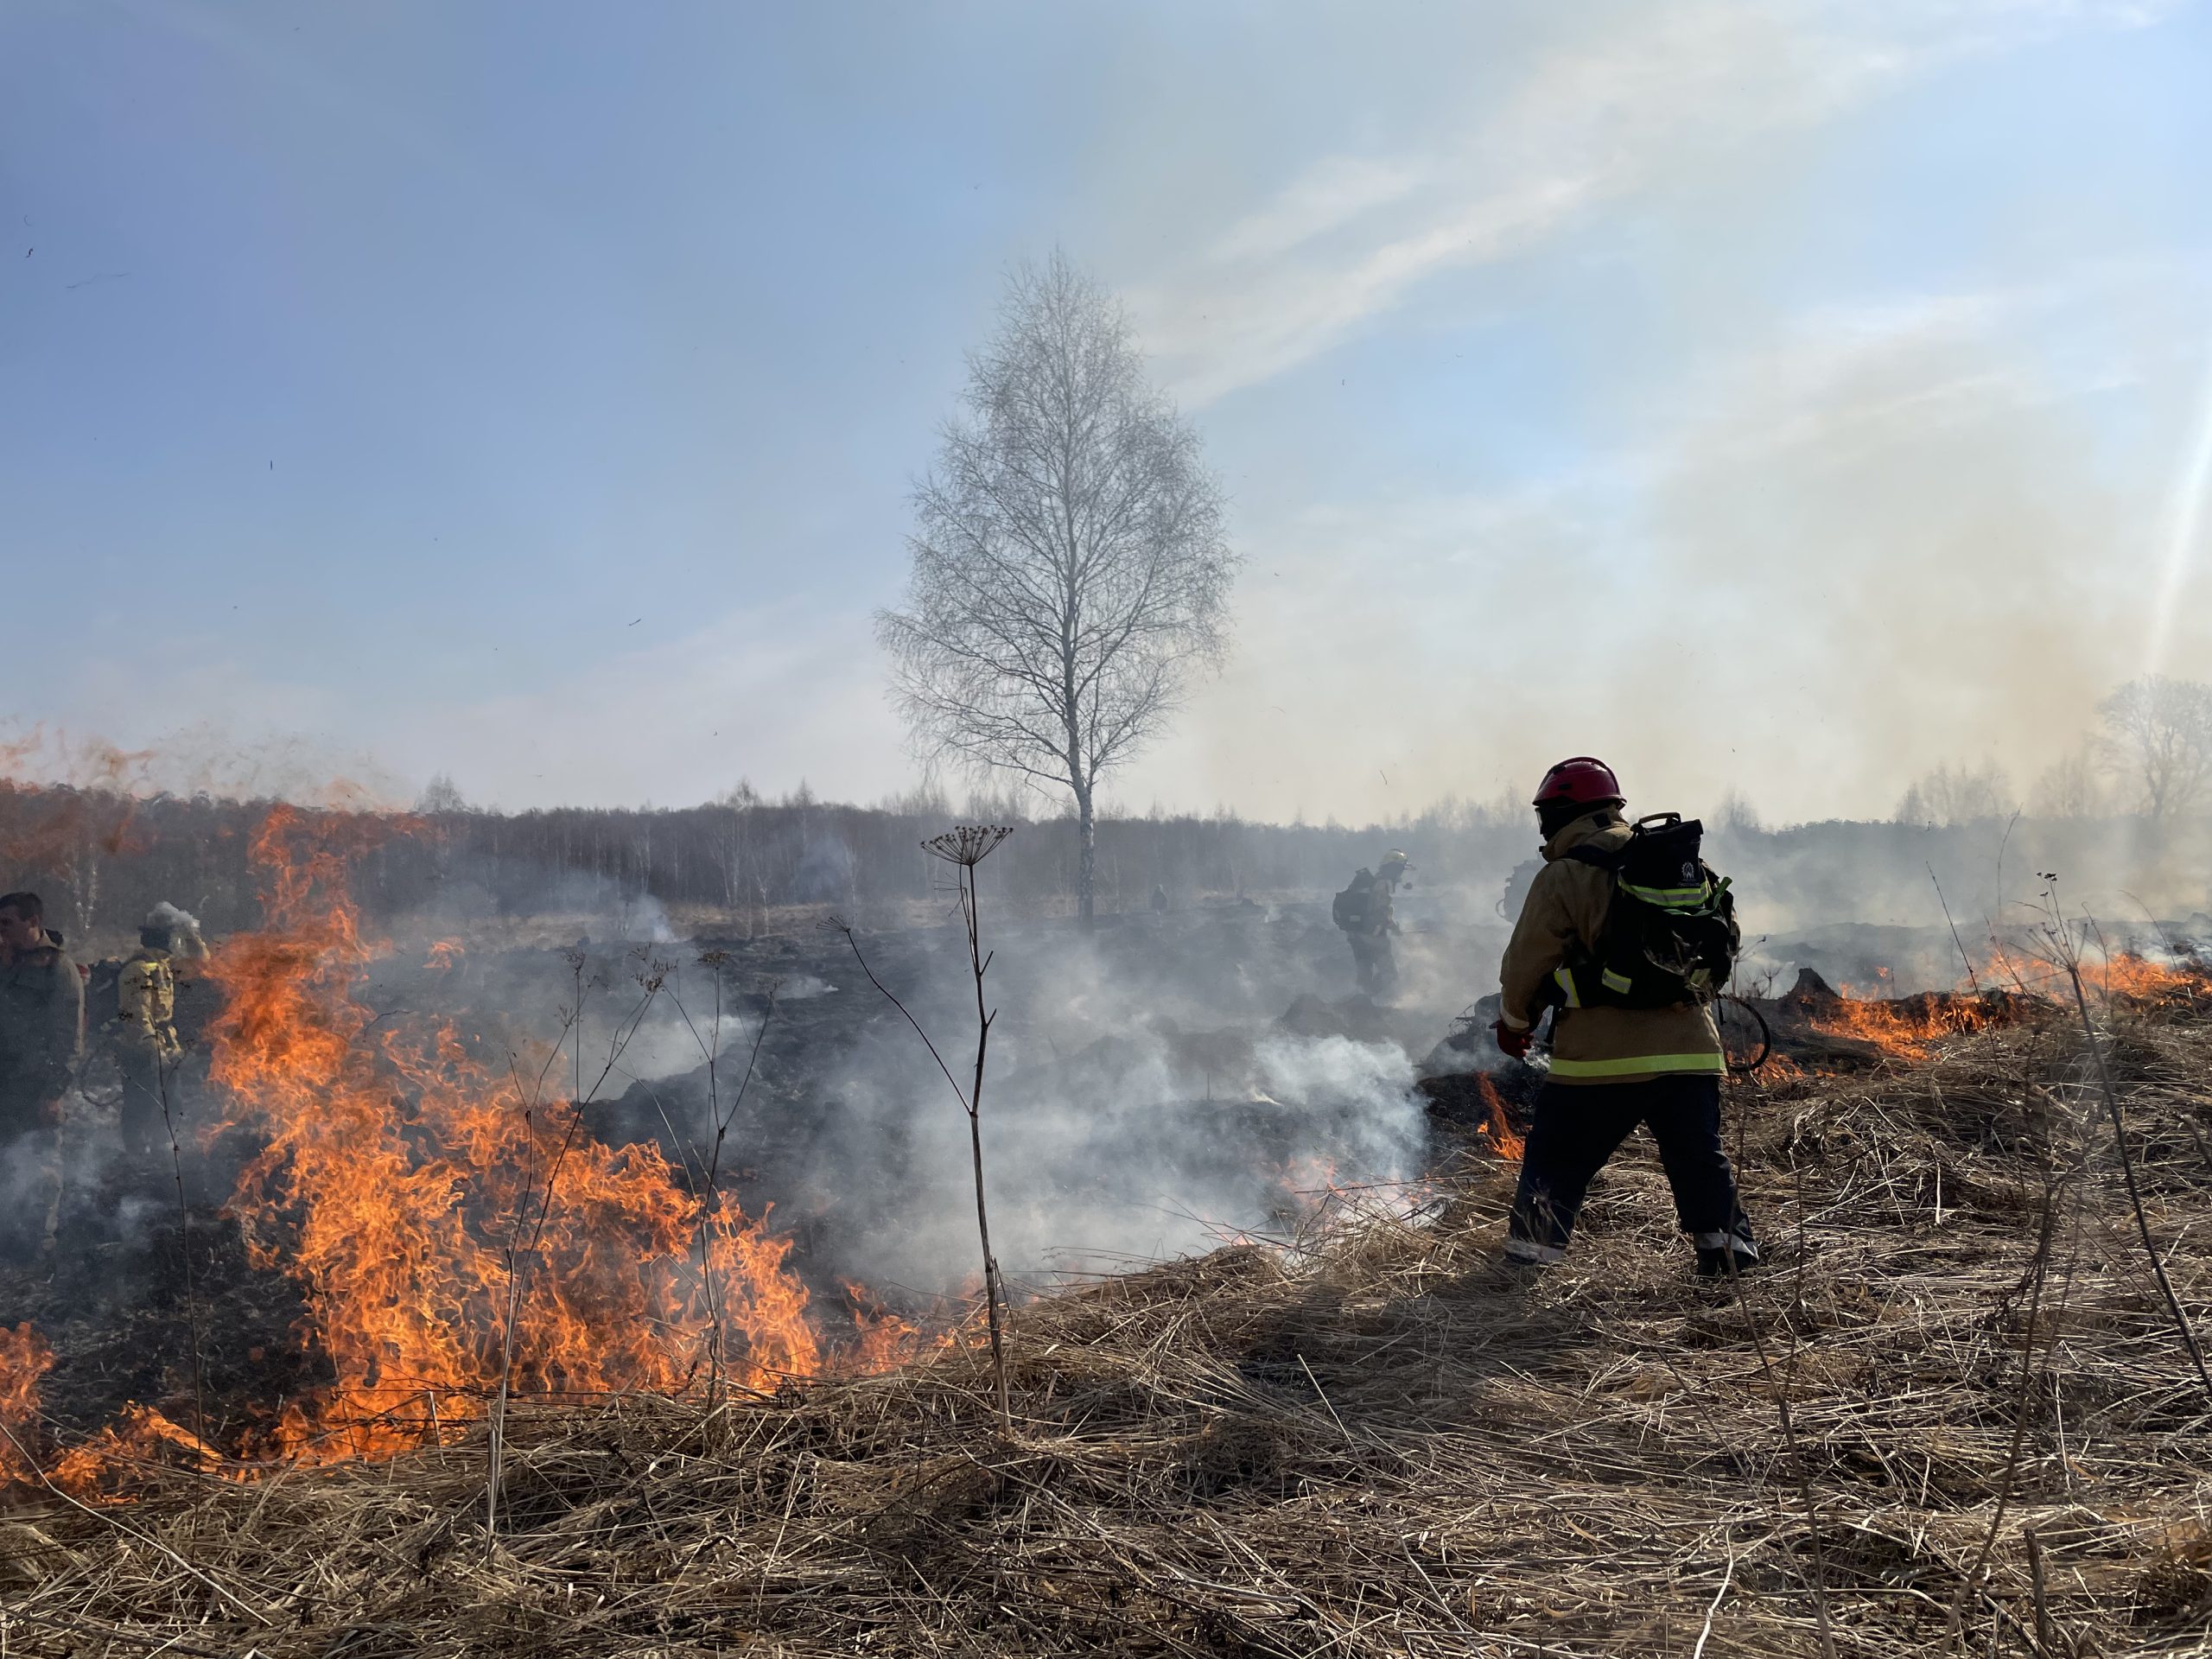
x=1374, y=1444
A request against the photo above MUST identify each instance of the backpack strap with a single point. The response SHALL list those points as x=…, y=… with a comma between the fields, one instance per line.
x=1579, y=975
x=1585, y=854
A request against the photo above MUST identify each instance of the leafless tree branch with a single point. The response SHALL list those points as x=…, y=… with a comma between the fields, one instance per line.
x=1070, y=567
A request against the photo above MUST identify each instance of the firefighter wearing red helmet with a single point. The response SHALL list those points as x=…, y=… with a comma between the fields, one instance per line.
x=1618, y=1059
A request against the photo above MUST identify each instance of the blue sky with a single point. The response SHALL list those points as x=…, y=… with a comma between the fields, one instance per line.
x=1787, y=397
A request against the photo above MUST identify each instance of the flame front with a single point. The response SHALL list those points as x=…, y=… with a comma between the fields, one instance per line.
x=1909, y=1027
x=447, y=1223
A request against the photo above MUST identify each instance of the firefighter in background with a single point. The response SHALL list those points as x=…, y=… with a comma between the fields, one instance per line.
x=1364, y=911
x=42, y=1044
x=1629, y=959
x=198, y=999
x=146, y=1046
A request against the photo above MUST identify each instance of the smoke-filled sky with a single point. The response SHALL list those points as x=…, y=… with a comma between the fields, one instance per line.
x=1784, y=396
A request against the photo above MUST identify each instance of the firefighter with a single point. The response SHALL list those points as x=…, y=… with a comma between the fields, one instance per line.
x=1364, y=911
x=146, y=1046
x=197, y=998
x=41, y=1041
x=1612, y=1067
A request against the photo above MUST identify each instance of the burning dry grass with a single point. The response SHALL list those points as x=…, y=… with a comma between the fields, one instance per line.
x=1384, y=1445
x=451, y=1224
x=2020, y=987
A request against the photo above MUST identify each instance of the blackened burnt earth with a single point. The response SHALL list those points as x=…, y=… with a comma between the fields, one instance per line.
x=130, y=1291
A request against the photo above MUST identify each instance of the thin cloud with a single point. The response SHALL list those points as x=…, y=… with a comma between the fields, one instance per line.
x=1352, y=237
x=1328, y=195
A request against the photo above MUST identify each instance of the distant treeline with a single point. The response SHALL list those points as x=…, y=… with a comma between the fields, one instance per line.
x=101, y=859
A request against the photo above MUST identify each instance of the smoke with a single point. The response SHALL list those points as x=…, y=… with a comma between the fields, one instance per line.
x=1121, y=1120
x=825, y=870
x=1128, y=1159
x=167, y=915
x=1858, y=544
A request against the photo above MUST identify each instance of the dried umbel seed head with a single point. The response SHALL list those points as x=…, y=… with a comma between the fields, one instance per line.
x=967, y=845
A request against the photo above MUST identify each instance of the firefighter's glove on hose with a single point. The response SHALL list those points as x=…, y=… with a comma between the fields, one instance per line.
x=1513, y=1043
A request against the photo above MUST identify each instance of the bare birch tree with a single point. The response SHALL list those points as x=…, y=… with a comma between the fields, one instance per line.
x=2158, y=741
x=1960, y=794
x=1070, y=570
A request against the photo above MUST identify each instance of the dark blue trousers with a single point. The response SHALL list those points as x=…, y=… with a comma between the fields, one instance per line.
x=1578, y=1126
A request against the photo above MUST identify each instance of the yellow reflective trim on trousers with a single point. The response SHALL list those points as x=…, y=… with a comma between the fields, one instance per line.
x=1672, y=898
x=1564, y=981
x=1614, y=981
x=1636, y=1064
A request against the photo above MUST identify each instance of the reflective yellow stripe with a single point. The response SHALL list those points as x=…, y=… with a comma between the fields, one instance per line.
x=1564, y=981
x=1615, y=982
x=1672, y=898
x=1636, y=1065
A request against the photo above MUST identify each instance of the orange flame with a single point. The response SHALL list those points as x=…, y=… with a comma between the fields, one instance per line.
x=1909, y=1027
x=446, y=1224
x=2137, y=979
x=1496, y=1128
x=142, y=1436
x=24, y=1358
x=885, y=1341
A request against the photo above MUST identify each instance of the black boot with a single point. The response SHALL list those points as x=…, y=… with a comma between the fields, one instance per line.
x=1724, y=1263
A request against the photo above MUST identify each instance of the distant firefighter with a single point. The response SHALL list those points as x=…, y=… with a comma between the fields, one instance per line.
x=1364, y=911
x=42, y=1042
x=146, y=1046
x=1627, y=935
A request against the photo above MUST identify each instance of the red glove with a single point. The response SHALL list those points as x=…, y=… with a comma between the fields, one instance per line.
x=1513, y=1044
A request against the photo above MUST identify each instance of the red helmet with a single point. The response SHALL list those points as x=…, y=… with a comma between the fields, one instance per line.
x=1585, y=781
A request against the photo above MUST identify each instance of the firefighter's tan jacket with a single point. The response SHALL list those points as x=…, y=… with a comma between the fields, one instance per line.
x=1563, y=915
x=146, y=1003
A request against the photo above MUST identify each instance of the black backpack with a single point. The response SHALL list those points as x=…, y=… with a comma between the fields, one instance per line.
x=1348, y=910
x=103, y=996
x=1670, y=932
